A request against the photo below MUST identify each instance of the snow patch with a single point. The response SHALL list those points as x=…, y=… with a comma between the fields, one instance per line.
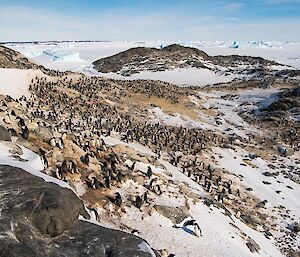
x=179, y=76
x=15, y=82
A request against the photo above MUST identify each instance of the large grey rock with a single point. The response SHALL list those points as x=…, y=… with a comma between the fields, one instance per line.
x=4, y=134
x=44, y=133
x=41, y=219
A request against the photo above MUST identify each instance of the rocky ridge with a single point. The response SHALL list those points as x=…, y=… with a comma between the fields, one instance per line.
x=175, y=56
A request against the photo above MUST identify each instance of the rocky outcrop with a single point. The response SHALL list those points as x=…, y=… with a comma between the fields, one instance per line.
x=4, y=134
x=11, y=59
x=140, y=59
x=287, y=105
x=41, y=219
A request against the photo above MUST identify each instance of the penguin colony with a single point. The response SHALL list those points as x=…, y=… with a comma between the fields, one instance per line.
x=69, y=119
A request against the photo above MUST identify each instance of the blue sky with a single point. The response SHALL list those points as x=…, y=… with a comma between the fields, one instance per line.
x=23, y=20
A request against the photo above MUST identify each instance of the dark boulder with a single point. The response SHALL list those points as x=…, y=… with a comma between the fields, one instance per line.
x=41, y=219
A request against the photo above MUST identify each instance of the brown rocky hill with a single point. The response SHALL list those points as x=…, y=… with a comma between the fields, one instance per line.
x=285, y=106
x=12, y=59
x=173, y=56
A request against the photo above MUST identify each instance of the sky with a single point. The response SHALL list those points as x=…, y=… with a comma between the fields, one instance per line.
x=223, y=20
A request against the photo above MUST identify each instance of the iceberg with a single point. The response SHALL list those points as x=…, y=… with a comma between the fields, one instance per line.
x=260, y=44
x=235, y=44
x=55, y=55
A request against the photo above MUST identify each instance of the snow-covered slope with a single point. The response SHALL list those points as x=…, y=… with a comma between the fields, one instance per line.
x=163, y=127
x=15, y=82
x=222, y=235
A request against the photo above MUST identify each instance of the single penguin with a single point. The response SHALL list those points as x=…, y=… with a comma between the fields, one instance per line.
x=25, y=133
x=95, y=183
x=149, y=172
x=197, y=230
x=138, y=202
x=118, y=199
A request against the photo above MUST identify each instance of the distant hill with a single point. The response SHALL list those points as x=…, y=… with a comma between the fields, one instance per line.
x=12, y=59
x=173, y=56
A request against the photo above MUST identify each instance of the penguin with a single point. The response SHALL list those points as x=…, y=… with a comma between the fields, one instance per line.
x=189, y=223
x=12, y=132
x=95, y=183
x=64, y=167
x=220, y=197
x=197, y=230
x=132, y=166
x=145, y=197
x=7, y=119
x=21, y=122
x=138, y=202
x=85, y=159
x=58, y=173
x=229, y=191
x=64, y=136
x=238, y=194
x=44, y=159
x=119, y=176
x=149, y=172
x=135, y=232
x=94, y=214
x=25, y=132
x=107, y=182
x=52, y=142
x=219, y=180
x=157, y=189
x=208, y=187
x=59, y=143
x=73, y=167
x=118, y=200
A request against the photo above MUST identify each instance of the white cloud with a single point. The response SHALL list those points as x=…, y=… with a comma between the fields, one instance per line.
x=27, y=24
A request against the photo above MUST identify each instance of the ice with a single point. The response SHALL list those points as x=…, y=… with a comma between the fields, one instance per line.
x=179, y=76
x=282, y=52
x=63, y=56
x=235, y=44
x=54, y=55
x=33, y=54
